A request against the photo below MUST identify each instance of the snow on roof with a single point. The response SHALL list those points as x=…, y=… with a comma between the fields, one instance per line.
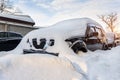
x=18, y=17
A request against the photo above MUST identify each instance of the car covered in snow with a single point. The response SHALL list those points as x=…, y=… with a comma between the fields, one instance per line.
x=9, y=40
x=111, y=39
x=73, y=35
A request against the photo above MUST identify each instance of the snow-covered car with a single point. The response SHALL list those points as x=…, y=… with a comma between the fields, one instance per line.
x=9, y=40
x=79, y=34
x=111, y=39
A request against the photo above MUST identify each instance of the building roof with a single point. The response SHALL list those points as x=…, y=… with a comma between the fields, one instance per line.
x=25, y=19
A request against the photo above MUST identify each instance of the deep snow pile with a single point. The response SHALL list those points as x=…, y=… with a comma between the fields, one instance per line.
x=36, y=67
x=103, y=65
x=98, y=65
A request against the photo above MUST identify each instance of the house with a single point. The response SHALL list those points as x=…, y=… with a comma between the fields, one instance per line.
x=16, y=23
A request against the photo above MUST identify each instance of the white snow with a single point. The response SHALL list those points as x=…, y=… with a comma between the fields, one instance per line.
x=97, y=65
x=36, y=67
x=104, y=65
x=18, y=17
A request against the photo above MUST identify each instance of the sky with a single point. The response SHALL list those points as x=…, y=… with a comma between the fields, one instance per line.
x=48, y=12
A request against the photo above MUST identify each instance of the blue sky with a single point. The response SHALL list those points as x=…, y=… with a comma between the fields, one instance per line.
x=48, y=12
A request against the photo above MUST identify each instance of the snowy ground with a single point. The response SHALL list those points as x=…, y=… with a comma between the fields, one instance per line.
x=97, y=65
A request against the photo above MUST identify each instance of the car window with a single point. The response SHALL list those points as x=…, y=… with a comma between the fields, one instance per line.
x=14, y=35
x=3, y=35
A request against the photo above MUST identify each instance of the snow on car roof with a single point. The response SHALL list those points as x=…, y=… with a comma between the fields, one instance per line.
x=75, y=27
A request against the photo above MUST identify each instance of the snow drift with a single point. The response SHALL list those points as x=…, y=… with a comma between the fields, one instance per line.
x=36, y=67
x=101, y=65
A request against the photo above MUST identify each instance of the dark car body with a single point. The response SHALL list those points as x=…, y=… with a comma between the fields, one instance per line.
x=9, y=40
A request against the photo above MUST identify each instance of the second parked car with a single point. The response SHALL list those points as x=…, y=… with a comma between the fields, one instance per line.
x=9, y=40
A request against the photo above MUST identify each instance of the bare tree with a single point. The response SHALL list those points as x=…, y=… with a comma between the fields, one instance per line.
x=4, y=4
x=110, y=20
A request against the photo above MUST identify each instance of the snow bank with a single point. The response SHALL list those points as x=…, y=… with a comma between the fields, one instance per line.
x=37, y=67
x=103, y=65
x=98, y=65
